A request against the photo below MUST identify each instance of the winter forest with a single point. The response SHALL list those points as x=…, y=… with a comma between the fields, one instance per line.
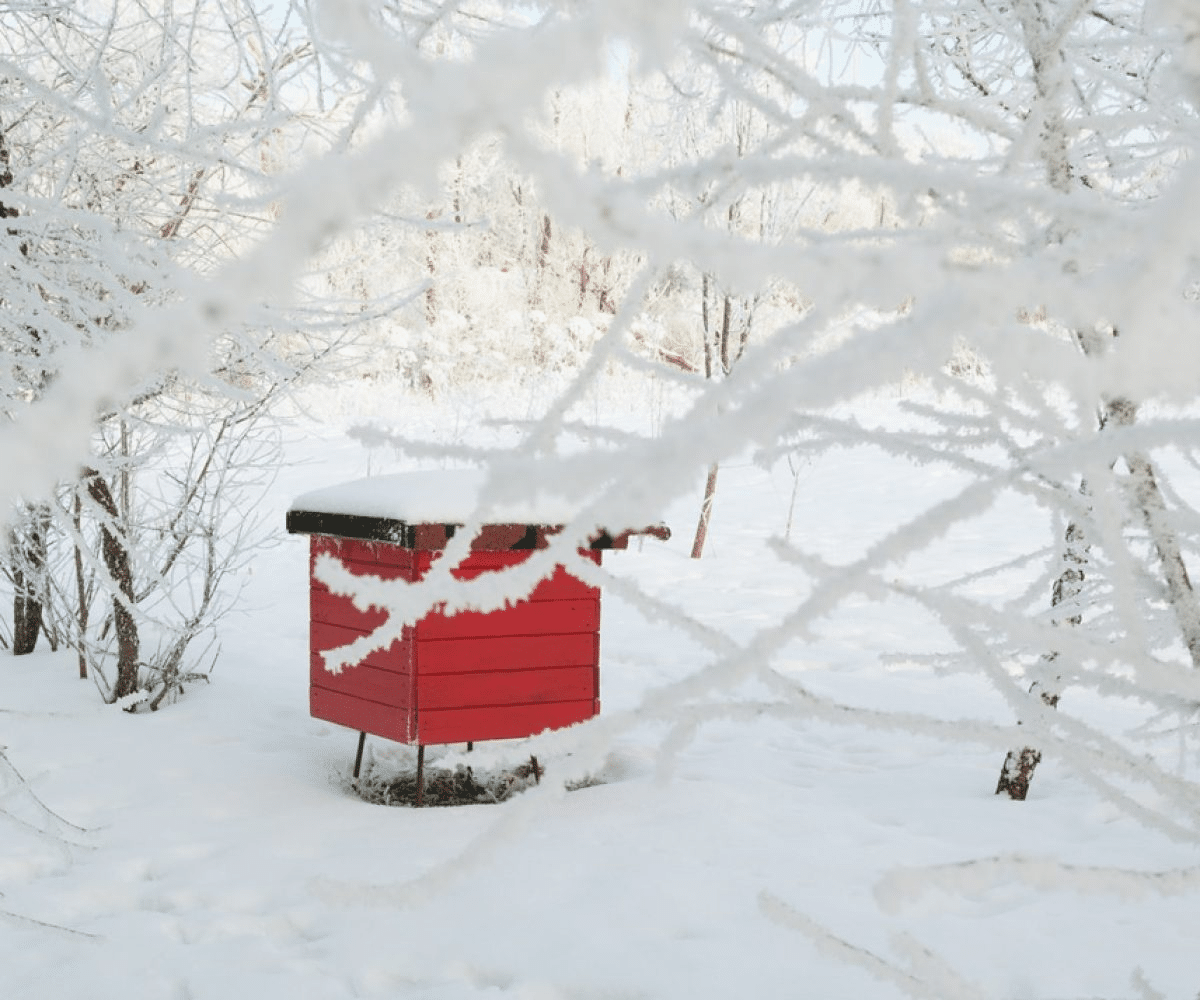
x=883, y=308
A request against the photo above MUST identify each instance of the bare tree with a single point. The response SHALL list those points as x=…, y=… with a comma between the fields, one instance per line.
x=120, y=218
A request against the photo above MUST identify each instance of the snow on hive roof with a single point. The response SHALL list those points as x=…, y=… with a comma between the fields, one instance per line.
x=443, y=496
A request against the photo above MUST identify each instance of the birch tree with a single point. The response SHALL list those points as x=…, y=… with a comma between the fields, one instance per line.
x=1089, y=111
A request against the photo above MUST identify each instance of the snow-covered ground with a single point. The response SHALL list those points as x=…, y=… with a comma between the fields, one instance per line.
x=735, y=847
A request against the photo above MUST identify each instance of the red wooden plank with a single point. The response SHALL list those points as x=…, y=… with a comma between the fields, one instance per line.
x=505, y=537
x=503, y=723
x=384, y=686
x=421, y=561
x=334, y=610
x=362, y=715
x=327, y=606
x=430, y=536
x=482, y=562
x=519, y=652
x=379, y=571
x=563, y=586
x=499, y=537
x=523, y=618
x=401, y=570
x=560, y=585
x=522, y=537
x=381, y=553
x=478, y=562
x=508, y=687
x=397, y=657
x=357, y=551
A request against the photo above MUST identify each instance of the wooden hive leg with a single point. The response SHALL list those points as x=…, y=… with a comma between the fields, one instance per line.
x=362, y=739
x=420, y=775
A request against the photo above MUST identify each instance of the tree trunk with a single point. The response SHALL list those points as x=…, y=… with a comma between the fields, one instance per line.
x=726, y=323
x=28, y=555
x=543, y=260
x=1148, y=499
x=1017, y=772
x=27, y=612
x=710, y=492
x=706, y=322
x=28, y=552
x=6, y=178
x=1019, y=765
x=585, y=279
x=81, y=622
x=116, y=560
x=431, y=302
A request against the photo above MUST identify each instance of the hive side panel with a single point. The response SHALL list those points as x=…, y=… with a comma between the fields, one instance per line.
x=334, y=620
x=396, y=658
x=375, y=696
x=461, y=725
x=370, y=556
x=478, y=563
x=507, y=688
x=508, y=674
x=596, y=668
x=361, y=714
x=484, y=653
x=383, y=686
x=563, y=586
x=332, y=615
x=560, y=585
x=330, y=609
x=524, y=618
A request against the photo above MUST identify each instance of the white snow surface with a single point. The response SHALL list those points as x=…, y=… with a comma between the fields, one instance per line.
x=215, y=849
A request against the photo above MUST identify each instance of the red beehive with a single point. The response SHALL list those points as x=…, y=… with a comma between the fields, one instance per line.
x=511, y=673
